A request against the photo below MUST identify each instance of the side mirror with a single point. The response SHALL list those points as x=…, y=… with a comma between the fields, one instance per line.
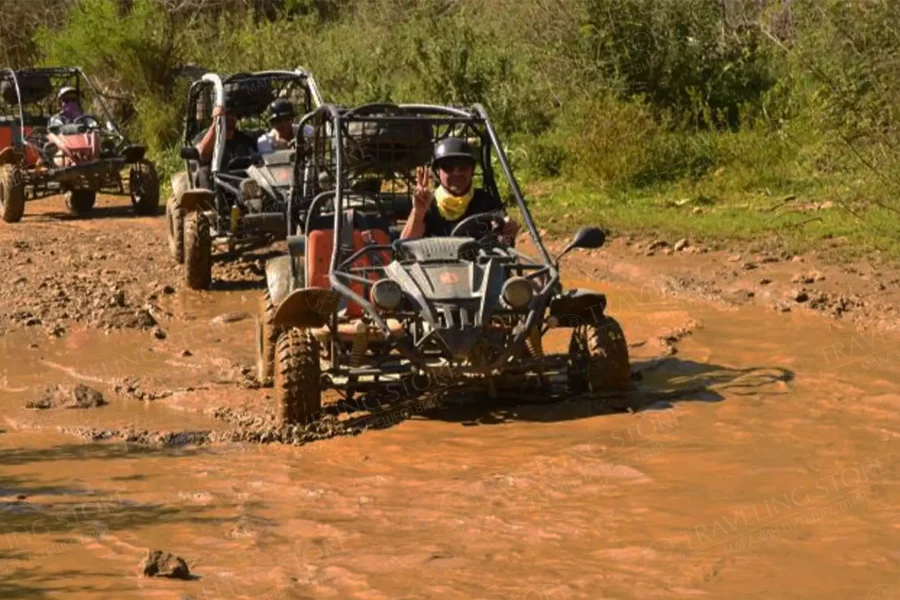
x=190, y=153
x=587, y=238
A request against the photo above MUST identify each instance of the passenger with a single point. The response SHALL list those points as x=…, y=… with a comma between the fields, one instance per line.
x=281, y=118
x=238, y=144
x=70, y=105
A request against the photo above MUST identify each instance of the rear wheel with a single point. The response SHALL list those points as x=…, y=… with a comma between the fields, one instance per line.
x=298, y=386
x=80, y=202
x=12, y=194
x=175, y=230
x=197, y=252
x=143, y=183
x=266, y=339
x=598, y=358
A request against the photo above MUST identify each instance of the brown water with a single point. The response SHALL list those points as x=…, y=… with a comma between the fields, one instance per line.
x=773, y=474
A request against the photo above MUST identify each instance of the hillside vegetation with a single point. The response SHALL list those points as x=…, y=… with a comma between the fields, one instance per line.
x=692, y=117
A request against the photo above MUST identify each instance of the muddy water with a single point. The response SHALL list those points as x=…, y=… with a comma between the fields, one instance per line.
x=765, y=466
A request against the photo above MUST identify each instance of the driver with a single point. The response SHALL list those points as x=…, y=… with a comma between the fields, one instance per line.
x=237, y=143
x=435, y=213
x=70, y=105
x=281, y=118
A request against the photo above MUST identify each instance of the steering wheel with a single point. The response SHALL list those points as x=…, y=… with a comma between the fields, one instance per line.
x=88, y=121
x=480, y=226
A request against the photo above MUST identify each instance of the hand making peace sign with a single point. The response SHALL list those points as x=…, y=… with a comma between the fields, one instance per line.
x=422, y=196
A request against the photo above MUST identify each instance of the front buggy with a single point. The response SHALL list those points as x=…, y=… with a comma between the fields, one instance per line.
x=39, y=158
x=243, y=203
x=353, y=308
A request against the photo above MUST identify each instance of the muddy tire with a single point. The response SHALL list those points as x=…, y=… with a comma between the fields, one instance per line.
x=143, y=183
x=175, y=230
x=81, y=202
x=197, y=252
x=266, y=339
x=598, y=358
x=297, y=377
x=12, y=194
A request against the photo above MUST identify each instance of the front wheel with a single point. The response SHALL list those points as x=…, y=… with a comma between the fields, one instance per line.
x=598, y=358
x=298, y=386
x=175, y=230
x=266, y=339
x=12, y=194
x=81, y=202
x=143, y=183
x=197, y=252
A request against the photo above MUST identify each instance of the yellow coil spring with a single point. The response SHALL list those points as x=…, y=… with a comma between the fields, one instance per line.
x=534, y=343
x=360, y=343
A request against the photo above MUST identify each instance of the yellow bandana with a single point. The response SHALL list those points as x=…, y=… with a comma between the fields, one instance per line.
x=452, y=207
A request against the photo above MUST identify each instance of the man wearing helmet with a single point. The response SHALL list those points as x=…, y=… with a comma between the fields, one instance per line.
x=70, y=107
x=435, y=213
x=237, y=143
x=281, y=118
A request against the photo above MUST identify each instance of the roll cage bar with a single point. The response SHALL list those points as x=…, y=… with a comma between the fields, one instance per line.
x=313, y=101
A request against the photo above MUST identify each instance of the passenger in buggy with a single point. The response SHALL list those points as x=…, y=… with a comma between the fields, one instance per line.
x=436, y=212
x=281, y=118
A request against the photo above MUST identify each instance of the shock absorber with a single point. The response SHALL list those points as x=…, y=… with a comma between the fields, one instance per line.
x=534, y=343
x=360, y=343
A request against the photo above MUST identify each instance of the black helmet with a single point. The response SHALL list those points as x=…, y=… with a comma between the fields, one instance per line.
x=453, y=147
x=280, y=108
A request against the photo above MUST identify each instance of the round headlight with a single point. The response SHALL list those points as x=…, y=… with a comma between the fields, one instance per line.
x=250, y=189
x=517, y=292
x=386, y=294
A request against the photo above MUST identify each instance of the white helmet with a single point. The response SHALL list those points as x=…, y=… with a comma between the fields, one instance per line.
x=66, y=90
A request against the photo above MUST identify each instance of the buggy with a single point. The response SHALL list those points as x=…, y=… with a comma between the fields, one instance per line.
x=40, y=158
x=351, y=307
x=243, y=203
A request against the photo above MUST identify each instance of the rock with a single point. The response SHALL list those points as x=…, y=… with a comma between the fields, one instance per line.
x=233, y=317
x=58, y=396
x=765, y=281
x=797, y=259
x=164, y=564
x=168, y=289
x=186, y=353
x=747, y=266
x=800, y=296
x=159, y=334
x=668, y=251
x=657, y=244
x=697, y=210
x=681, y=245
x=32, y=321
x=816, y=276
x=734, y=258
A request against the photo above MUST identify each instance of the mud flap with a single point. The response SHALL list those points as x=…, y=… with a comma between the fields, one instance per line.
x=196, y=198
x=576, y=307
x=282, y=277
x=307, y=307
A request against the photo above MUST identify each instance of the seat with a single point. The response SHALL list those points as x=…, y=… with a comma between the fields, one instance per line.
x=320, y=246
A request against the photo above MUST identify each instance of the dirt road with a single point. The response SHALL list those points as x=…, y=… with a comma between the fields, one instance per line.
x=764, y=465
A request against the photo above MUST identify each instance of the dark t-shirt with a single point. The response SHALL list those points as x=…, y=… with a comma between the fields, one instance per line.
x=482, y=202
x=240, y=145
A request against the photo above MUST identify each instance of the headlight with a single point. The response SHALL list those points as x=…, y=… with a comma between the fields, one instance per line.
x=250, y=189
x=386, y=294
x=517, y=292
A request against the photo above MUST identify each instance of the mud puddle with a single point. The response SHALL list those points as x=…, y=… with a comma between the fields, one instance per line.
x=763, y=466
